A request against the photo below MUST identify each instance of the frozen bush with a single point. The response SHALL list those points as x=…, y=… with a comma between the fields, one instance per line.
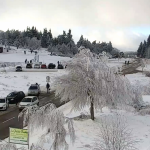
x=114, y=134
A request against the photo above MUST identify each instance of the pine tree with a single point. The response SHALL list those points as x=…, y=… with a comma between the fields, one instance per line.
x=109, y=47
x=143, y=53
x=50, y=34
x=69, y=36
x=139, y=51
x=72, y=48
x=44, y=39
x=148, y=41
x=80, y=42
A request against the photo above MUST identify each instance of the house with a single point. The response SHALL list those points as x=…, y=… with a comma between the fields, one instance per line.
x=1, y=49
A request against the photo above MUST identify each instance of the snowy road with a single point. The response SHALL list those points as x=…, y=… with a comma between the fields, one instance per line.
x=10, y=118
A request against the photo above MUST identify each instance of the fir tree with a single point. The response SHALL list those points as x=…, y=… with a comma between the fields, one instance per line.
x=80, y=42
x=44, y=39
x=139, y=51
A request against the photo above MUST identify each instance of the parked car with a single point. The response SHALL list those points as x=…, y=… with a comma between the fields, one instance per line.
x=15, y=97
x=28, y=101
x=4, y=104
x=18, y=68
x=37, y=66
x=34, y=89
x=51, y=66
x=60, y=66
x=43, y=66
x=29, y=66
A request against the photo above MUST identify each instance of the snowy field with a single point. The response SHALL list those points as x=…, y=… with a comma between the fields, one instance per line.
x=16, y=81
x=86, y=130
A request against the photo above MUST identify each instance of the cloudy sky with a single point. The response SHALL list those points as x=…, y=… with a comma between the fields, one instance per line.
x=124, y=22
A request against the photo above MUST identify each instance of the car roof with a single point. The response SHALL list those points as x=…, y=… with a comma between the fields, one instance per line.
x=33, y=85
x=16, y=91
x=30, y=96
x=18, y=66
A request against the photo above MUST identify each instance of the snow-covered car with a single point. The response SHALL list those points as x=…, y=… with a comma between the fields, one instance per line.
x=28, y=101
x=37, y=66
x=18, y=68
x=4, y=104
x=34, y=89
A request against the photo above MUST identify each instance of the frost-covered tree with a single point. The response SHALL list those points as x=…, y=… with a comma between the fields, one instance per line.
x=34, y=44
x=51, y=119
x=90, y=82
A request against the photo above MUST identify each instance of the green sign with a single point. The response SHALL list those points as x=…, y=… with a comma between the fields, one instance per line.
x=18, y=136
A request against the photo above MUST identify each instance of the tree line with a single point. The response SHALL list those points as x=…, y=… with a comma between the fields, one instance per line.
x=63, y=44
x=144, y=49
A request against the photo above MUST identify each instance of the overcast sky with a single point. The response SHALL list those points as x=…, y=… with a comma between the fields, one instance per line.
x=124, y=22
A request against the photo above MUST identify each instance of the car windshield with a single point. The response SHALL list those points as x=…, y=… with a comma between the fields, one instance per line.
x=2, y=100
x=27, y=100
x=33, y=88
x=12, y=94
x=18, y=66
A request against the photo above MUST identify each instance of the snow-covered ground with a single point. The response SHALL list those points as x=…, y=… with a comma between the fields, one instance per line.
x=19, y=56
x=85, y=130
x=16, y=81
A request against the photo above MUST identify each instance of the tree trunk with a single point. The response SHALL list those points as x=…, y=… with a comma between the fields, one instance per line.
x=92, y=110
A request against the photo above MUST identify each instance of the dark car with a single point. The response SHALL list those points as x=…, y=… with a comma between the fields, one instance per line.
x=43, y=66
x=60, y=66
x=15, y=97
x=29, y=66
x=51, y=66
x=18, y=68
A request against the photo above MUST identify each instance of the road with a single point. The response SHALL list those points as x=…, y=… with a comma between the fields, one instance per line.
x=10, y=118
x=131, y=68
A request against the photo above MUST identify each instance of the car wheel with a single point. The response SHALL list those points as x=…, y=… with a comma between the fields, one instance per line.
x=6, y=108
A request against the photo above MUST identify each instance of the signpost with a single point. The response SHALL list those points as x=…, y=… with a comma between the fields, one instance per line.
x=19, y=136
x=48, y=79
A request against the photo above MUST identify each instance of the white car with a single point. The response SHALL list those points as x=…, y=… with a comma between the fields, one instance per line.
x=37, y=66
x=28, y=101
x=34, y=90
x=3, y=104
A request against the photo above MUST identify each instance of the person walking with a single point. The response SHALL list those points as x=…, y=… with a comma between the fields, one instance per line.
x=47, y=86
